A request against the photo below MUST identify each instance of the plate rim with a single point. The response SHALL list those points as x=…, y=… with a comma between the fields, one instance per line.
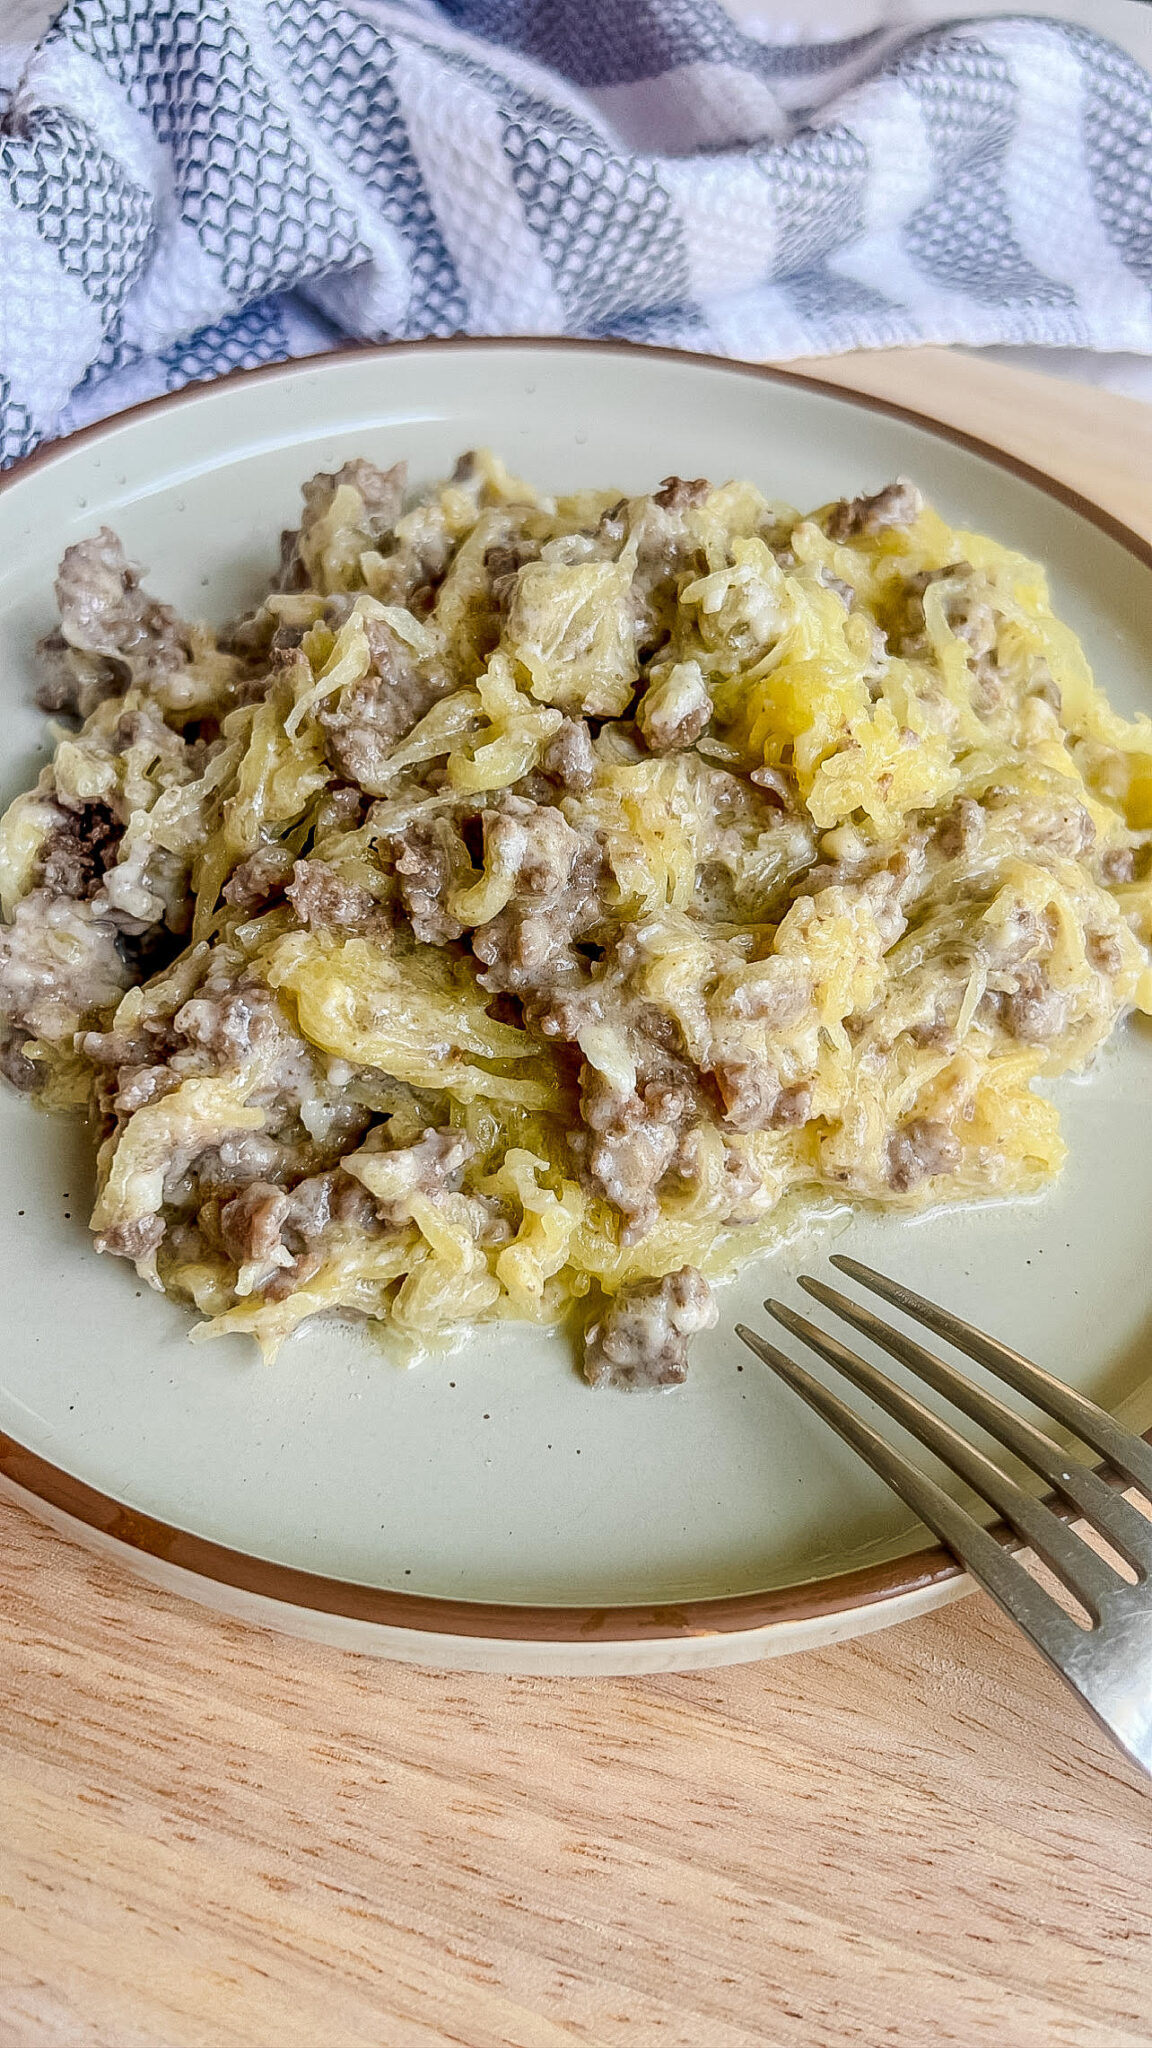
x=913, y=1572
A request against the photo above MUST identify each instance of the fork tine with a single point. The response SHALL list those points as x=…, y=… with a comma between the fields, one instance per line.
x=1129, y=1454
x=1124, y=1526
x=1033, y=1609
x=1083, y=1572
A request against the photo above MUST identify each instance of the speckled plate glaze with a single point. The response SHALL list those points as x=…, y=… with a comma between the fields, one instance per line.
x=487, y=1510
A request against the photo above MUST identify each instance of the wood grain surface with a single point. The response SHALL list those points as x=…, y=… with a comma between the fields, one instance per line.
x=213, y=1837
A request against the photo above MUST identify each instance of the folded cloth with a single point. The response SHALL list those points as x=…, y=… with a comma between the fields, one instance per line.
x=188, y=186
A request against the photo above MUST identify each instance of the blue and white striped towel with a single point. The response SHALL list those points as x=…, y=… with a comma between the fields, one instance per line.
x=191, y=185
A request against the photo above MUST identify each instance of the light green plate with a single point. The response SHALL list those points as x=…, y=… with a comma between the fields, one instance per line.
x=488, y=1509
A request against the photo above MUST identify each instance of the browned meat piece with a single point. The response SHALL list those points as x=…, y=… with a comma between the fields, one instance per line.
x=504, y=561
x=749, y=1093
x=632, y=1157
x=266, y=1223
x=967, y=611
x=1118, y=866
x=227, y=1021
x=673, y=712
x=1035, y=1011
x=15, y=1065
x=71, y=682
x=751, y=847
x=104, y=611
x=989, y=687
x=962, y=830
x=642, y=1340
x=260, y=879
x=251, y=638
x=667, y=554
x=291, y=575
x=754, y=1099
x=1103, y=951
x=792, y=1106
x=1075, y=834
x=920, y=1151
x=341, y=809
x=133, y=1240
x=78, y=850
x=228, y=1018
x=431, y=860
x=321, y=1200
x=250, y=1224
x=60, y=967
x=437, y=1159
x=284, y=642
x=535, y=842
x=529, y=946
x=412, y=572
x=369, y=718
x=361, y=730
x=935, y=1030
x=112, y=1049
x=238, y=1161
x=320, y=895
x=568, y=757
x=524, y=953
x=634, y=1140
x=898, y=504
x=138, y=1085
x=382, y=491
x=559, y=1013
x=338, y=609
x=677, y=494
x=308, y=1210
x=221, y=1026
x=59, y=686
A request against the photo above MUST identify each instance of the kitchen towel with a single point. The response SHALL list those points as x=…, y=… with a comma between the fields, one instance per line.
x=192, y=186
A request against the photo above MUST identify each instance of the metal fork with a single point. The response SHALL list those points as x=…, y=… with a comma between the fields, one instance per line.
x=1108, y=1664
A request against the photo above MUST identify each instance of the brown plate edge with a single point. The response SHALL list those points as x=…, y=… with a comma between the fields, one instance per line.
x=287, y=1585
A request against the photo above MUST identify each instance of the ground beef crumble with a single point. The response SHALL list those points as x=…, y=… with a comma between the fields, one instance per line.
x=320, y=895
x=919, y=1151
x=898, y=504
x=641, y=1339
x=78, y=850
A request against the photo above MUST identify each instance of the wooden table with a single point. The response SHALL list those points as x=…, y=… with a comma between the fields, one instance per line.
x=211, y=1837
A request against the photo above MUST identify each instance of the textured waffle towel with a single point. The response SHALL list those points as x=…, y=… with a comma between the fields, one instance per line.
x=191, y=185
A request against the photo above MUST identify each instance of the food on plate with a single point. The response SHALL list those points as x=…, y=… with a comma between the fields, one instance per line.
x=539, y=901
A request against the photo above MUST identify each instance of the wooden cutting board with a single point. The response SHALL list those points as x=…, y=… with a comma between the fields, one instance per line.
x=212, y=1837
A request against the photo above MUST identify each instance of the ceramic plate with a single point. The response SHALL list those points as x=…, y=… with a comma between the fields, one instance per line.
x=487, y=1509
